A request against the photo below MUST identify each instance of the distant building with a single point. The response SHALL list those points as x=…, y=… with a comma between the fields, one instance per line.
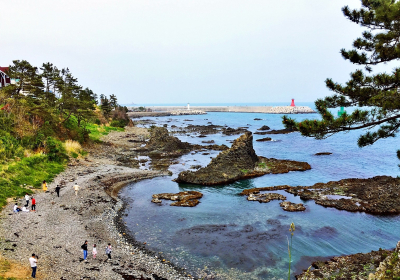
x=4, y=79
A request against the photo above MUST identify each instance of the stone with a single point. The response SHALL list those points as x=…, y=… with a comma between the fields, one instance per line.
x=264, y=139
x=292, y=207
x=265, y=197
x=264, y=127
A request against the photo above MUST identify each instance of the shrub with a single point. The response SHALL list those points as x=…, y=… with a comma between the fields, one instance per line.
x=10, y=148
x=71, y=123
x=55, y=150
x=119, y=123
x=72, y=147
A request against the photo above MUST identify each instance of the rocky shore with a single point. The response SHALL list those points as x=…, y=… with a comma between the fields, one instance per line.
x=60, y=225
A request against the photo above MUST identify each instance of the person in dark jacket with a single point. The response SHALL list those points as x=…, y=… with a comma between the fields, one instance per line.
x=58, y=190
x=84, y=248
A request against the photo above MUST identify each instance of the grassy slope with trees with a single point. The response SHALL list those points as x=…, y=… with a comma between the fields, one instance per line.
x=44, y=117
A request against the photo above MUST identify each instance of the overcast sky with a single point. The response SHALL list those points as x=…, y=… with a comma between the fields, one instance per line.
x=179, y=51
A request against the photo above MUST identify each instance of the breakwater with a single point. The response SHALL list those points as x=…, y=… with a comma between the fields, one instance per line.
x=236, y=109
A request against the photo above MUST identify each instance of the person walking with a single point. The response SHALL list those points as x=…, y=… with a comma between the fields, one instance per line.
x=33, y=204
x=94, y=252
x=108, y=251
x=44, y=185
x=84, y=248
x=27, y=200
x=33, y=262
x=58, y=190
x=76, y=188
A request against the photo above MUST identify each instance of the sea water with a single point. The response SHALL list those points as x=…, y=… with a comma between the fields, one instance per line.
x=233, y=238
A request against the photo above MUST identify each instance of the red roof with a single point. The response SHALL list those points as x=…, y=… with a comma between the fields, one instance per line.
x=4, y=69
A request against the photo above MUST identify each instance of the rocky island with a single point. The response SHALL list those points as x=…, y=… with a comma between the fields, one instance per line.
x=185, y=199
x=239, y=162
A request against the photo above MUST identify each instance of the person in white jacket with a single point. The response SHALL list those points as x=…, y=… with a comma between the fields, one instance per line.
x=94, y=252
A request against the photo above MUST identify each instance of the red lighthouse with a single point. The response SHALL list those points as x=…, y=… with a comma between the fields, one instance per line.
x=292, y=103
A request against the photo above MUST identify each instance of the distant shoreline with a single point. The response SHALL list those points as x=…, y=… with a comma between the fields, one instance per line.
x=186, y=110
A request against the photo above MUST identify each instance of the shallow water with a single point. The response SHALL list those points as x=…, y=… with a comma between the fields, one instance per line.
x=239, y=239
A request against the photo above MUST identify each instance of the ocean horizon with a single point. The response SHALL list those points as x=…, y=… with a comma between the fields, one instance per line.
x=286, y=103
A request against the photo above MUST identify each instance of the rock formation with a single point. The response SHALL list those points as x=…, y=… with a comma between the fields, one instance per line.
x=239, y=162
x=233, y=131
x=323, y=154
x=265, y=197
x=292, y=207
x=161, y=140
x=377, y=195
x=264, y=139
x=357, y=266
x=264, y=127
x=186, y=199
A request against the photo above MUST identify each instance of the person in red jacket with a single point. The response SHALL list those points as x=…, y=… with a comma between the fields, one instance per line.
x=33, y=204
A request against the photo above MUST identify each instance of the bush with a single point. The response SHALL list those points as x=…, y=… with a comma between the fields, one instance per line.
x=10, y=148
x=55, y=150
x=119, y=123
x=71, y=123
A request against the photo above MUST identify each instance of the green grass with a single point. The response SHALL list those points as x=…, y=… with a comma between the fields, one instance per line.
x=30, y=171
x=262, y=165
x=96, y=131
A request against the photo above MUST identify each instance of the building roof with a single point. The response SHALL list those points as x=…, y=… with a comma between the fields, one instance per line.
x=4, y=69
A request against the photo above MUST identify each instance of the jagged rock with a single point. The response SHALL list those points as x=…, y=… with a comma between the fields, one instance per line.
x=258, y=119
x=264, y=139
x=208, y=142
x=390, y=267
x=239, y=162
x=292, y=207
x=264, y=127
x=161, y=140
x=185, y=199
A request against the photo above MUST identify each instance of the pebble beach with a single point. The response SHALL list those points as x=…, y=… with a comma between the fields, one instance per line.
x=60, y=225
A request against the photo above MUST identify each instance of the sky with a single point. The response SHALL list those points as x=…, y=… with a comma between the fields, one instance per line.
x=180, y=51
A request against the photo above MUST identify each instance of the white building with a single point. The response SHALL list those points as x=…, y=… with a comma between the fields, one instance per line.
x=4, y=79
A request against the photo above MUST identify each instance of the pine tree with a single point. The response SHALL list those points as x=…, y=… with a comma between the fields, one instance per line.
x=377, y=96
x=27, y=80
x=106, y=107
x=113, y=101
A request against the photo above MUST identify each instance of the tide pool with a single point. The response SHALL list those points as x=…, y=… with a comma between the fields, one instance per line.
x=238, y=239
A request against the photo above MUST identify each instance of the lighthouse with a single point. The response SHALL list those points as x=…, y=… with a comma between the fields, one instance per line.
x=292, y=105
x=188, y=106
